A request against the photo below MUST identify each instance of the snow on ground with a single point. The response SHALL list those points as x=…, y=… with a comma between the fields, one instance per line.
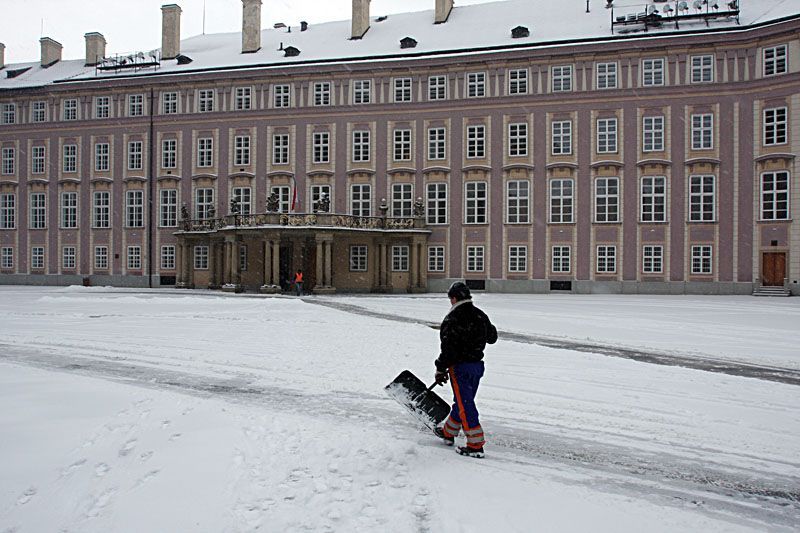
x=195, y=411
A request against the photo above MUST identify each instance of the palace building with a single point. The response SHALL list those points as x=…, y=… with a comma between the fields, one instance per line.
x=521, y=145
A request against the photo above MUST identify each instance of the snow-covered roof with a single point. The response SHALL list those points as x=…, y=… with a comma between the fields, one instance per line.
x=480, y=26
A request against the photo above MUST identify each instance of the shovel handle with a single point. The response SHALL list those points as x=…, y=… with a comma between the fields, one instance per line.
x=433, y=385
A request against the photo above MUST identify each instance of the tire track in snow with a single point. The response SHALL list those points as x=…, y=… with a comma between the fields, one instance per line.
x=696, y=362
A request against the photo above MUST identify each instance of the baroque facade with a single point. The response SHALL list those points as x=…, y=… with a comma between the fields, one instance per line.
x=655, y=156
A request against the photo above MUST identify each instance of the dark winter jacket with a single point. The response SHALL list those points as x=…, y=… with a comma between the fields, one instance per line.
x=465, y=332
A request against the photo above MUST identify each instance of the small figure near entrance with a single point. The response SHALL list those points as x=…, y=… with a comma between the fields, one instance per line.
x=298, y=282
x=465, y=332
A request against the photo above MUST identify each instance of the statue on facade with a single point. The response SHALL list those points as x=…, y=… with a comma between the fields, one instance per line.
x=184, y=212
x=211, y=213
x=419, y=208
x=323, y=205
x=273, y=203
x=235, y=205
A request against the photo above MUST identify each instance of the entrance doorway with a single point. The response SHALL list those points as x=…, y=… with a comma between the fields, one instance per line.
x=773, y=269
x=286, y=271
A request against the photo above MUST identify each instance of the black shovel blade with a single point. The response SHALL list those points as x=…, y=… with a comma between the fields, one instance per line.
x=425, y=405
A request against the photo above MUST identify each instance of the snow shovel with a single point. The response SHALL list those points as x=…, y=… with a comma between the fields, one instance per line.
x=423, y=404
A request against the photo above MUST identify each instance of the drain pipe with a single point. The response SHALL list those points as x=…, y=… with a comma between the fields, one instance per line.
x=151, y=195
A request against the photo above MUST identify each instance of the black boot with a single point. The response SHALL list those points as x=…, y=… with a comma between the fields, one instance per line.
x=471, y=452
x=439, y=432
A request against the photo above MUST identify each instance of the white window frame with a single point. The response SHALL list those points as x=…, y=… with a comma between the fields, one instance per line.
x=135, y=155
x=775, y=197
x=204, y=201
x=476, y=258
x=7, y=258
x=362, y=92
x=606, y=199
x=244, y=196
x=168, y=257
x=775, y=60
x=169, y=153
x=653, y=72
x=243, y=258
x=317, y=191
x=476, y=202
x=241, y=147
x=436, y=212
x=702, y=259
x=39, y=111
x=9, y=161
x=476, y=85
x=653, y=199
x=361, y=146
x=436, y=256
x=702, y=131
x=135, y=105
x=280, y=149
x=69, y=210
x=437, y=87
x=205, y=152
x=402, y=144
x=69, y=109
x=206, y=100
x=8, y=210
x=200, y=257
x=775, y=129
x=517, y=258
x=322, y=93
x=476, y=141
x=102, y=157
x=69, y=255
x=400, y=258
x=168, y=208
x=561, y=137
x=561, y=78
x=517, y=81
x=359, y=258
x=38, y=159
x=702, y=198
x=652, y=259
x=37, y=258
x=607, y=135
x=70, y=158
x=561, y=259
x=9, y=113
x=361, y=199
x=102, y=107
x=101, y=257
x=702, y=68
x=606, y=259
x=283, y=193
x=169, y=103
x=321, y=143
x=134, y=257
x=653, y=132
x=403, y=90
x=281, y=95
x=518, y=139
x=402, y=200
x=562, y=200
x=437, y=144
x=518, y=202
x=101, y=209
x=243, y=99
x=134, y=208
x=38, y=211
x=606, y=75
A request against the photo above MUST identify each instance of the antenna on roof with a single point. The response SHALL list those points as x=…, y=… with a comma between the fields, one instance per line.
x=204, y=17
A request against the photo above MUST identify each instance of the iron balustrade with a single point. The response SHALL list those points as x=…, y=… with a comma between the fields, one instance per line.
x=320, y=220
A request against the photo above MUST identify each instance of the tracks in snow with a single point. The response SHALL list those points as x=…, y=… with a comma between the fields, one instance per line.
x=696, y=362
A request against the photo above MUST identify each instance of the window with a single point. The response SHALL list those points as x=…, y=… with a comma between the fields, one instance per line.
x=437, y=88
x=102, y=107
x=606, y=200
x=168, y=208
x=402, y=200
x=701, y=199
x=775, y=196
x=39, y=112
x=322, y=93
x=606, y=135
x=8, y=211
x=360, y=146
x=517, y=202
x=606, y=259
x=205, y=152
x=68, y=258
x=101, y=209
x=169, y=153
x=134, y=209
x=242, y=150
x=654, y=199
x=437, y=143
x=169, y=103
x=37, y=159
x=561, y=200
x=402, y=89
x=134, y=257
x=436, y=212
x=562, y=137
x=518, y=81
x=476, y=142
x=318, y=192
x=362, y=91
x=652, y=259
x=280, y=149
x=518, y=140
x=775, y=60
x=101, y=257
x=701, y=259
x=475, y=256
x=653, y=132
x=244, y=198
x=476, y=85
x=606, y=75
x=135, y=155
x=562, y=78
x=135, y=105
x=358, y=258
x=243, y=98
x=561, y=259
x=9, y=157
x=204, y=204
x=70, y=159
x=38, y=217
x=402, y=145
x=281, y=95
x=8, y=114
x=168, y=257
x=37, y=258
x=775, y=126
x=283, y=192
x=69, y=109
x=69, y=210
x=435, y=258
x=205, y=100
x=360, y=200
x=475, y=201
x=243, y=258
x=652, y=72
x=101, y=157
x=6, y=257
x=400, y=258
x=702, y=69
x=517, y=258
x=321, y=143
x=703, y=132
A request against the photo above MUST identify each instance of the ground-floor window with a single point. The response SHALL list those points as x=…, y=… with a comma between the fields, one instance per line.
x=701, y=259
x=358, y=258
x=400, y=258
x=101, y=257
x=68, y=258
x=168, y=257
x=435, y=258
x=517, y=258
x=652, y=259
x=561, y=259
x=201, y=257
x=475, y=256
x=7, y=257
x=606, y=259
x=37, y=257
x=243, y=258
x=134, y=257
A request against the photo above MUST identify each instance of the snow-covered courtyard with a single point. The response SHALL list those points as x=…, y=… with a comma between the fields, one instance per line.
x=176, y=411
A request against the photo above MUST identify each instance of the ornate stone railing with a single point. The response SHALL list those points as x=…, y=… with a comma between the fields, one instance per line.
x=322, y=220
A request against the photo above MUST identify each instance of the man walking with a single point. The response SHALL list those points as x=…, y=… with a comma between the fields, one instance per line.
x=298, y=282
x=464, y=333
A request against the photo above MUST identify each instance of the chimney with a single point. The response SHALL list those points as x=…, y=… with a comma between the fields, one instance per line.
x=51, y=51
x=2, y=56
x=170, y=31
x=360, y=18
x=251, y=26
x=443, y=9
x=95, y=48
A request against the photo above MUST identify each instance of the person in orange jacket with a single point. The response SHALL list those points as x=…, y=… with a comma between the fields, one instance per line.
x=298, y=282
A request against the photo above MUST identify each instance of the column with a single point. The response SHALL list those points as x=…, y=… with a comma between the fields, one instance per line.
x=235, y=263
x=414, y=260
x=212, y=265
x=189, y=266
x=226, y=263
x=320, y=260
x=267, y=262
x=179, y=265
x=328, y=272
x=276, y=262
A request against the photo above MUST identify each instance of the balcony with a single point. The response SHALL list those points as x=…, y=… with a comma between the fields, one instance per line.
x=301, y=221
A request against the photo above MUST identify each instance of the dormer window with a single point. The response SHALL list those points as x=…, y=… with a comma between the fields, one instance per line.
x=291, y=51
x=520, y=32
x=408, y=42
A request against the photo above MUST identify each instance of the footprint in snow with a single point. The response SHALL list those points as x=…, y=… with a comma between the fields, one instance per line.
x=127, y=448
x=166, y=423
x=100, y=503
x=147, y=477
x=26, y=496
x=101, y=469
x=71, y=468
x=145, y=456
x=175, y=436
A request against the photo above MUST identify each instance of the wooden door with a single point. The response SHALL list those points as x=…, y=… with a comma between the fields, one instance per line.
x=773, y=269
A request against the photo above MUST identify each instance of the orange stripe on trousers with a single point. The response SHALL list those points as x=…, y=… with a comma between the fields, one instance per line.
x=461, y=411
